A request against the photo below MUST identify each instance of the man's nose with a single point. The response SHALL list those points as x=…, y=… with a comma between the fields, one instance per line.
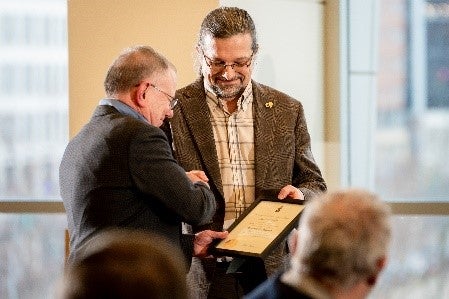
x=228, y=71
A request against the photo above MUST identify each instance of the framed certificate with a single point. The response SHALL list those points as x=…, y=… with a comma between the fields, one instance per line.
x=260, y=228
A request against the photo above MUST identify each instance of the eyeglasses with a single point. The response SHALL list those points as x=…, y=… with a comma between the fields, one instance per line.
x=218, y=66
x=173, y=101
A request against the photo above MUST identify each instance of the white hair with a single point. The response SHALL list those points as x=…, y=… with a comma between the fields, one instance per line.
x=342, y=236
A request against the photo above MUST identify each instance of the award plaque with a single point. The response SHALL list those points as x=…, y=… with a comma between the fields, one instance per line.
x=260, y=228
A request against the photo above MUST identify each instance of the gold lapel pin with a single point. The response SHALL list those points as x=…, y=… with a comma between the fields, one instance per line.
x=269, y=104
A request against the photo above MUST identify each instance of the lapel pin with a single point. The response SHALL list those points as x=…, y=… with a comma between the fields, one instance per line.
x=269, y=104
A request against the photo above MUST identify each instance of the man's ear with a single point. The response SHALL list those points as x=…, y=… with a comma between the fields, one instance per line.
x=380, y=265
x=293, y=240
x=140, y=96
x=381, y=262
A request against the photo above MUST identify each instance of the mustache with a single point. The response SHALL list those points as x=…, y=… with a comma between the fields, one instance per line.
x=236, y=77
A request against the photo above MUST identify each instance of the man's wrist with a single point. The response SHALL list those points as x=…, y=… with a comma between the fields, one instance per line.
x=202, y=184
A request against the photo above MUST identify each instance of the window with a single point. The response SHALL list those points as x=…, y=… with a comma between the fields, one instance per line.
x=33, y=135
x=412, y=134
x=398, y=132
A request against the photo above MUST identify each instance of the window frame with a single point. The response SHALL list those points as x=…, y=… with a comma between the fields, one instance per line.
x=357, y=91
x=37, y=207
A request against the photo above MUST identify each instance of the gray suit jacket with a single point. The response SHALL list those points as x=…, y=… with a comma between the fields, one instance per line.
x=282, y=143
x=119, y=171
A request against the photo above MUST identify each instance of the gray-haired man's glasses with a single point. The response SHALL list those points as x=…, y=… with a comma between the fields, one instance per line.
x=173, y=101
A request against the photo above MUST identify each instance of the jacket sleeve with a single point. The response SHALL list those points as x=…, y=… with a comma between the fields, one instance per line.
x=157, y=174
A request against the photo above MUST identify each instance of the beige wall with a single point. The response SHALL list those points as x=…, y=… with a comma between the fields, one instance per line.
x=99, y=29
x=332, y=164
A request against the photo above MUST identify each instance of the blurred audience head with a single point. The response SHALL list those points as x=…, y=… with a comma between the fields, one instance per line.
x=125, y=264
x=342, y=241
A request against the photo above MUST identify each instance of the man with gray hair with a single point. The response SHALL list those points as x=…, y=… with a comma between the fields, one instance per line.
x=119, y=170
x=339, y=249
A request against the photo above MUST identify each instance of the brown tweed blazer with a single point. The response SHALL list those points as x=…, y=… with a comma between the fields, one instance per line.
x=283, y=154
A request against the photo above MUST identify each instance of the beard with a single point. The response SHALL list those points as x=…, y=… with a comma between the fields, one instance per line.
x=228, y=91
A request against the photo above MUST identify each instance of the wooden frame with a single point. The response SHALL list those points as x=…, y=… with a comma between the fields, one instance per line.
x=260, y=228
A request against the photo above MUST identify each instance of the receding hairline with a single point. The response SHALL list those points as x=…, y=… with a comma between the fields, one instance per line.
x=133, y=65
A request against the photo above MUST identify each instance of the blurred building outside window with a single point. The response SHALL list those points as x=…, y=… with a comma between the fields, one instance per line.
x=33, y=135
x=412, y=142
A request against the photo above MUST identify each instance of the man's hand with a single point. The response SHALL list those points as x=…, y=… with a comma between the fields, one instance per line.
x=203, y=239
x=197, y=176
x=290, y=191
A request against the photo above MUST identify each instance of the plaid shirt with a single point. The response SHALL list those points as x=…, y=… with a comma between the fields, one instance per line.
x=234, y=140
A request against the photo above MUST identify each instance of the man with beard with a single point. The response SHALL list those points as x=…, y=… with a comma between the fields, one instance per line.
x=250, y=139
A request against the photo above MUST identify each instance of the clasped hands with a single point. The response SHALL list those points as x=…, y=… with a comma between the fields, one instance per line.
x=198, y=176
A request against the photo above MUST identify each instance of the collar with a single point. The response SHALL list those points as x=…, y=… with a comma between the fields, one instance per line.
x=305, y=284
x=242, y=103
x=123, y=108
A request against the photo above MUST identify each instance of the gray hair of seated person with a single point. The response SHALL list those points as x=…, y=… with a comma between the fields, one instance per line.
x=125, y=264
x=342, y=236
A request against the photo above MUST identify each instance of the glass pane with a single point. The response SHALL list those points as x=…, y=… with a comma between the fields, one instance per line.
x=412, y=137
x=32, y=254
x=33, y=97
x=418, y=262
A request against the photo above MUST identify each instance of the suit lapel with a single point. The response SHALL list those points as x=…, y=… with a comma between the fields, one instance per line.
x=197, y=117
x=264, y=132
